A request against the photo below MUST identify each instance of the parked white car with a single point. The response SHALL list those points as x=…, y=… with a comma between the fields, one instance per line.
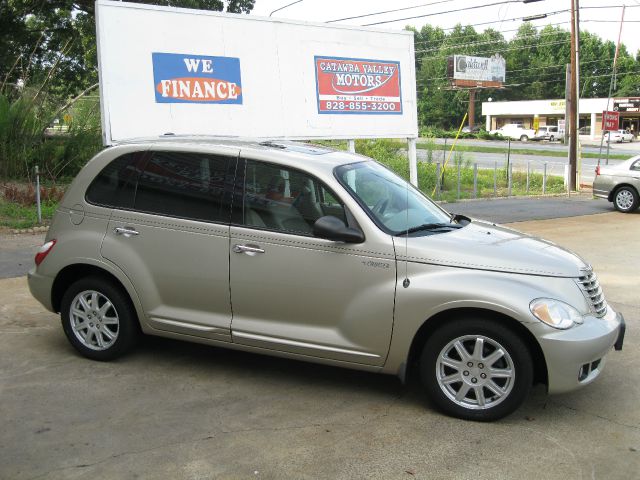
x=619, y=136
x=515, y=131
x=547, y=132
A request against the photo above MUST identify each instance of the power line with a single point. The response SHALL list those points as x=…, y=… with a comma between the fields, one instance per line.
x=484, y=42
x=388, y=11
x=609, y=21
x=563, y=65
x=475, y=7
x=422, y=42
x=562, y=80
x=501, y=50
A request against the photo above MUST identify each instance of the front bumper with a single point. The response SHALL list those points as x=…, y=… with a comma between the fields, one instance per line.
x=40, y=287
x=576, y=357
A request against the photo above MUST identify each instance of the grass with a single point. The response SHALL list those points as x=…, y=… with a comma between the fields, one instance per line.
x=14, y=215
x=485, y=184
x=427, y=174
x=523, y=151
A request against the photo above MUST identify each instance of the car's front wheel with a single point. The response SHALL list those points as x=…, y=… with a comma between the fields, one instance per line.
x=524, y=138
x=476, y=369
x=626, y=199
x=98, y=318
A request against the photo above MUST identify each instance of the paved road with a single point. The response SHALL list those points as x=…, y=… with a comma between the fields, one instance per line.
x=555, y=165
x=590, y=146
x=17, y=252
x=506, y=210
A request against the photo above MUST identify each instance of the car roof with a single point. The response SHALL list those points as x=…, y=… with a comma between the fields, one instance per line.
x=622, y=165
x=321, y=156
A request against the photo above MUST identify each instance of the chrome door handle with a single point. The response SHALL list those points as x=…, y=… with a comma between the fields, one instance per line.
x=248, y=249
x=126, y=231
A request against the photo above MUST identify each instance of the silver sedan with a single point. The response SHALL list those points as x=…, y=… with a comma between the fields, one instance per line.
x=619, y=184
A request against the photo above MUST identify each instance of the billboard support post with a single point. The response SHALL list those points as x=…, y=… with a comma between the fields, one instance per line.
x=351, y=145
x=472, y=108
x=413, y=161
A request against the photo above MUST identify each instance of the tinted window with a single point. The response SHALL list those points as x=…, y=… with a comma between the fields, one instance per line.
x=279, y=198
x=115, y=185
x=635, y=165
x=186, y=185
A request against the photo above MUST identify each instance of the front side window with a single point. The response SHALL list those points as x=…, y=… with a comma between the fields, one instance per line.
x=283, y=199
x=394, y=204
x=192, y=186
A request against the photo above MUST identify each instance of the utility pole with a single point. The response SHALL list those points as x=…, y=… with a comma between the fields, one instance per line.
x=472, y=108
x=573, y=93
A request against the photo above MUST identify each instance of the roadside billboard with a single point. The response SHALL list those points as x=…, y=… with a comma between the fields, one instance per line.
x=468, y=71
x=192, y=72
x=626, y=105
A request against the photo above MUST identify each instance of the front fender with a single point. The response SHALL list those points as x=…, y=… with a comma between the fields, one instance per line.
x=436, y=289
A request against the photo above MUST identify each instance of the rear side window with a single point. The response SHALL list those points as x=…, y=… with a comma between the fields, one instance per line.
x=115, y=185
x=186, y=185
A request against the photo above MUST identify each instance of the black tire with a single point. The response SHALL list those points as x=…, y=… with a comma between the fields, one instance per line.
x=626, y=199
x=517, y=360
x=524, y=138
x=97, y=343
x=552, y=138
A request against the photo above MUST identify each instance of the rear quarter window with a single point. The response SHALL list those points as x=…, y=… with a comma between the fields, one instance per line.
x=115, y=185
x=191, y=186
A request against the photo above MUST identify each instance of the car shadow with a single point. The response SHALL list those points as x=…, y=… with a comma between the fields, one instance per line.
x=289, y=373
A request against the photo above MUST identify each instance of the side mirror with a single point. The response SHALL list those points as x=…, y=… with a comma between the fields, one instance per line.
x=332, y=228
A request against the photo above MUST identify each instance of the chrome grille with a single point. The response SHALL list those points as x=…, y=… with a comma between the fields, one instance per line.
x=592, y=290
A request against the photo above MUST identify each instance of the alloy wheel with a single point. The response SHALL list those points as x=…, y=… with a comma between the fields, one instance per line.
x=624, y=199
x=94, y=320
x=475, y=372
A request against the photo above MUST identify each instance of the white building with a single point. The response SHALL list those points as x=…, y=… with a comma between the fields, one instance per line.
x=552, y=112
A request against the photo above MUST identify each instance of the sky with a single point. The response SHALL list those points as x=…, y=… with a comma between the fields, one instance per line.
x=507, y=16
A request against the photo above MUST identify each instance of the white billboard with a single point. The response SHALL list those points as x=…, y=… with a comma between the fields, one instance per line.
x=479, y=69
x=192, y=72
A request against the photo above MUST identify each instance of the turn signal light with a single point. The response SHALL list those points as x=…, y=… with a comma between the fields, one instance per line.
x=43, y=251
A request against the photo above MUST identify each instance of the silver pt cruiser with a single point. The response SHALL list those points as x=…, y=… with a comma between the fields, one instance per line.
x=308, y=253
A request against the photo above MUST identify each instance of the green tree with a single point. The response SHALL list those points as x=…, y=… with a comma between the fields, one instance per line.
x=536, y=66
x=36, y=35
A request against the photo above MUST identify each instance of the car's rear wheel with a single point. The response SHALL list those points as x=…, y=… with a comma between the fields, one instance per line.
x=552, y=138
x=98, y=319
x=524, y=138
x=476, y=369
x=626, y=199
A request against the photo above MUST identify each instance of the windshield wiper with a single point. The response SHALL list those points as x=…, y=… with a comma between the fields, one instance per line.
x=431, y=226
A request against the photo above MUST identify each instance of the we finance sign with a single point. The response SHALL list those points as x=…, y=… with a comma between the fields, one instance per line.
x=357, y=86
x=182, y=78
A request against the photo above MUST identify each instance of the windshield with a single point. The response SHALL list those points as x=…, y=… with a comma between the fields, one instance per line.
x=394, y=204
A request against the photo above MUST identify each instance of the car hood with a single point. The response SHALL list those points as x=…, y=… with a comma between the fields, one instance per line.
x=485, y=246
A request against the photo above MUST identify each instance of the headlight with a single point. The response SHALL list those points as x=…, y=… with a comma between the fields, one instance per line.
x=555, y=313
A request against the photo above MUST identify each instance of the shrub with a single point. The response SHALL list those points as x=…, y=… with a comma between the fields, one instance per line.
x=24, y=142
x=26, y=194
